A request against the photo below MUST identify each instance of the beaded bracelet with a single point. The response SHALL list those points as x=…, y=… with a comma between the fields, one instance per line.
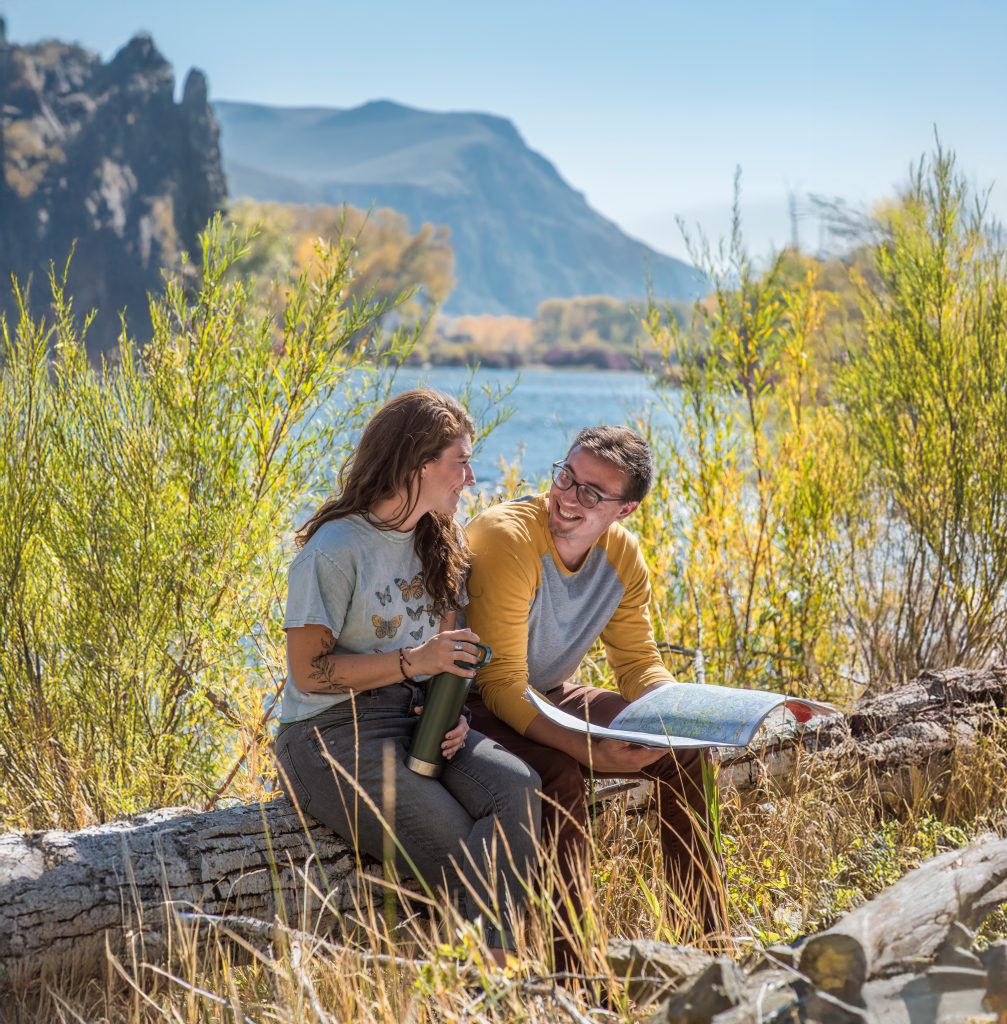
x=402, y=665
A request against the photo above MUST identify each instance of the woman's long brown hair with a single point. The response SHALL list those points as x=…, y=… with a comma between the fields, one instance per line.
x=405, y=434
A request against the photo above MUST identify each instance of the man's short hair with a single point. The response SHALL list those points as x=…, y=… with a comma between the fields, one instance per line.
x=626, y=450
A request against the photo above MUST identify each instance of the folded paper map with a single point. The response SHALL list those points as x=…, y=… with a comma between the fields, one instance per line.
x=689, y=715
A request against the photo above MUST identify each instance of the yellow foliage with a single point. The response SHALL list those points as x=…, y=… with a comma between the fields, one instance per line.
x=409, y=271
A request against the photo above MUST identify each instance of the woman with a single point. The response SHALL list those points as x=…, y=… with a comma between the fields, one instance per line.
x=372, y=599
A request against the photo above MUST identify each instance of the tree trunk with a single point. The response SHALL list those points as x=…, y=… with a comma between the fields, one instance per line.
x=904, y=957
x=914, y=729
x=913, y=919
x=910, y=946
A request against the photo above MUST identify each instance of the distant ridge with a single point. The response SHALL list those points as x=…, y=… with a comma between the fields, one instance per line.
x=520, y=233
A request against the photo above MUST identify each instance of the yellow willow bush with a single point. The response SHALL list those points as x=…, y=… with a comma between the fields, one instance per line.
x=821, y=522
x=143, y=505
x=925, y=397
x=751, y=485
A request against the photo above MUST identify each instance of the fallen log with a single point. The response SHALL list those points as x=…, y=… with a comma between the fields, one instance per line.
x=906, y=956
x=64, y=895
x=923, y=917
x=917, y=727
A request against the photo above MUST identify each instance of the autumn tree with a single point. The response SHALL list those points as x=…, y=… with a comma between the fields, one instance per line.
x=411, y=271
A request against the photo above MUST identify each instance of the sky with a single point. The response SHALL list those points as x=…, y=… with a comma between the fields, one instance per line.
x=645, y=107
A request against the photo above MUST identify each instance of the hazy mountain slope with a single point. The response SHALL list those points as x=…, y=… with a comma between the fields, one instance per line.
x=521, y=234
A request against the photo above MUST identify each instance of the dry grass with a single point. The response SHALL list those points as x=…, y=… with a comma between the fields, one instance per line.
x=793, y=862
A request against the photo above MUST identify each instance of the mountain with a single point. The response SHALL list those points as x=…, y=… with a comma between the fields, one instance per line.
x=520, y=233
x=101, y=157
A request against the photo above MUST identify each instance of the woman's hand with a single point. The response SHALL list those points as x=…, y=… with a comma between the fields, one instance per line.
x=441, y=651
x=455, y=739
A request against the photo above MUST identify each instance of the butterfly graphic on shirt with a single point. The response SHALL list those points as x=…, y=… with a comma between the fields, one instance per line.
x=429, y=609
x=384, y=597
x=416, y=633
x=415, y=613
x=386, y=627
x=411, y=589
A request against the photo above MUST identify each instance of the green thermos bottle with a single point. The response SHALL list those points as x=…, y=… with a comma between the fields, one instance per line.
x=446, y=693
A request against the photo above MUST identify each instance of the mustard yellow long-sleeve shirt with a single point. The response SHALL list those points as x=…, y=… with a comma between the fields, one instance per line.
x=540, y=618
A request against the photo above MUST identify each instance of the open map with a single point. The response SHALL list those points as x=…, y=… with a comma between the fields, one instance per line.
x=689, y=715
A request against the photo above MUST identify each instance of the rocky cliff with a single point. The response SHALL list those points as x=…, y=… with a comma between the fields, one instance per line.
x=102, y=158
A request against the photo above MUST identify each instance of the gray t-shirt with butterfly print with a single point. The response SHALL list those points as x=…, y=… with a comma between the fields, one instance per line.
x=365, y=586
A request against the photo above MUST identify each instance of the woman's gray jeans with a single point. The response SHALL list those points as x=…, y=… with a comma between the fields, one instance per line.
x=479, y=822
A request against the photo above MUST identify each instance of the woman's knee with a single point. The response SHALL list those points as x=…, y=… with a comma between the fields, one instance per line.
x=519, y=793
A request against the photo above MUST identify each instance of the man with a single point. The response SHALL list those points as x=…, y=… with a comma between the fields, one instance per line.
x=550, y=574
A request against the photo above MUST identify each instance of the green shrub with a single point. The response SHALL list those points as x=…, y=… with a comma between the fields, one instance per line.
x=823, y=520
x=751, y=484
x=143, y=506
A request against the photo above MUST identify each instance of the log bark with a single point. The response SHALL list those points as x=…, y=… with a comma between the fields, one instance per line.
x=914, y=921
x=916, y=728
x=64, y=895
x=906, y=956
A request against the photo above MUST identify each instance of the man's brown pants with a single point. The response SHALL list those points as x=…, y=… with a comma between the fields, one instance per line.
x=690, y=865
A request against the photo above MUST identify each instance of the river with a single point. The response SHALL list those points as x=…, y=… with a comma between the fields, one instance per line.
x=549, y=407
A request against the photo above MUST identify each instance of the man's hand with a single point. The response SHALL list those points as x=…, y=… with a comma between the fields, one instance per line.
x=618, y=756
x=604, y=756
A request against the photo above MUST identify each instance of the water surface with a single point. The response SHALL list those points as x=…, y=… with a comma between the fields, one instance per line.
x=549, y=407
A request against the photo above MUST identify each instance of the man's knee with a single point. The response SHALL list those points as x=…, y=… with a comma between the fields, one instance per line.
x=562, y=778
x=682, y=769
x=681, y=790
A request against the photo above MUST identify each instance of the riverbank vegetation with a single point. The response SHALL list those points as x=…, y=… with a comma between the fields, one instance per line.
x=415, y=269
x=829, y=519
x=835, y=492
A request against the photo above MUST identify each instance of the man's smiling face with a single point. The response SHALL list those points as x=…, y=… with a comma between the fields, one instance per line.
x=570, y=523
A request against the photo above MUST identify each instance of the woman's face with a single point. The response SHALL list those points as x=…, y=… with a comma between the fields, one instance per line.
x=443, y=480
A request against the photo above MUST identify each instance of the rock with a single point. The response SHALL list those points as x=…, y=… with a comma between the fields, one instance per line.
x=719, y=987
x=654, y=969
x=100, y=156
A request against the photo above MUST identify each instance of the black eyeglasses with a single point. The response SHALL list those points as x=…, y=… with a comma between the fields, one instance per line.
x=586, y=495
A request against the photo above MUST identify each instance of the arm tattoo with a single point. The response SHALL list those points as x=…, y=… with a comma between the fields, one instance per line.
x=325, y=676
